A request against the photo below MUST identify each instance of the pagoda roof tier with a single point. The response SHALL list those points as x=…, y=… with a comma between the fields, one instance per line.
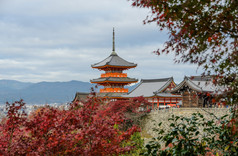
x=114, y=61
x=110, y=95
x=114, y=80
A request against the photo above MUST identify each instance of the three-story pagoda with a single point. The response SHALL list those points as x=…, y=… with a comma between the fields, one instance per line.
x=114, y=79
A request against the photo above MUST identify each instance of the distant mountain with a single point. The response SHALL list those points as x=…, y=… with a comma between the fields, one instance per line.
x=13, y=85
x=42, y=92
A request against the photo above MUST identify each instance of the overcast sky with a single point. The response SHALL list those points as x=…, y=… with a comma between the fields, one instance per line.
x=58, y=40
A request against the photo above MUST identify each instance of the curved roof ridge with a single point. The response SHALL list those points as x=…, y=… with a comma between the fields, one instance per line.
x=189, y=82
x=112, y=54
x=114, y=60
x=179, y=85
x=122, y=58
x=165, y=85
x=101, y=61
x=135, y=87
x=156, y=80
x=188, y=79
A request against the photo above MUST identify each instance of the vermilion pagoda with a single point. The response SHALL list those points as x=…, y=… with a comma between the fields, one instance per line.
x=114, y=79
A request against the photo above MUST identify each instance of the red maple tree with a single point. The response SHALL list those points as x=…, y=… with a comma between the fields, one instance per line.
x=92, y=129
x=200, y=32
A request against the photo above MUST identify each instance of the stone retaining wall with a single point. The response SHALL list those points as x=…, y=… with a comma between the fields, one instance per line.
x=157, y=116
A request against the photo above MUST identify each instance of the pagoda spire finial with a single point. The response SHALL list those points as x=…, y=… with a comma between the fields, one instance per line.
x=113, y=40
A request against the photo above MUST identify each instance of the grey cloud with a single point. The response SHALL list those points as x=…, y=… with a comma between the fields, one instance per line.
x=58, y=40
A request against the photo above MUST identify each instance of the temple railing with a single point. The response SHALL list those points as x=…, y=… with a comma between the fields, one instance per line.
x=114, y=90
x=114, y=75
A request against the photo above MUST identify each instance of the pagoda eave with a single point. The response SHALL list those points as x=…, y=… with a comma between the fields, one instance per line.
x=110, y=66
x=117, y=82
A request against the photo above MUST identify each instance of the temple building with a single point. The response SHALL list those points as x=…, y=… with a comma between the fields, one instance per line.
x=113, y=79
x=196, y=91
x=157, y=92
x=161, y=93
x=80, y=97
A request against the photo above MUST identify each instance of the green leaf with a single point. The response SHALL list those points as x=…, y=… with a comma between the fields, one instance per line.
x=160, y=123
x=233, y=149
x=197, y=133
x=227, y=147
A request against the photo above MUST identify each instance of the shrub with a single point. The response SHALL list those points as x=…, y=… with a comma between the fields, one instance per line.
x=196, y=136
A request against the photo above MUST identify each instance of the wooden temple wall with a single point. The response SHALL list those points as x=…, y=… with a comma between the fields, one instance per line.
x=190, y=100
x=163, y=101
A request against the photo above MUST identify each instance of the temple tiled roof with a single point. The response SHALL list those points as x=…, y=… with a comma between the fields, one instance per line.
x=197, y=83
x=79, y=96
x=114, y=60
x=150, y=87
x=114, y=79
